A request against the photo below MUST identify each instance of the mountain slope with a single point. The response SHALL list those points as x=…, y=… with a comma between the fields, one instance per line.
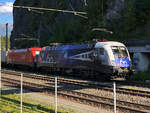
x=127, y=19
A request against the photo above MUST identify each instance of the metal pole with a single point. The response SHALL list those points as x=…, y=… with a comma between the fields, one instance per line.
x=21, y=92
x=114, y=84
x=6, y=37
x=55, y=94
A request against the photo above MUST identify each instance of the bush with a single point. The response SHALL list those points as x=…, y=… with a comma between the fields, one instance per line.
x=141, y=76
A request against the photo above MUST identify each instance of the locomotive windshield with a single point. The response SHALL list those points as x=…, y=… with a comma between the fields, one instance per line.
x=37, y=52
x=119, y=52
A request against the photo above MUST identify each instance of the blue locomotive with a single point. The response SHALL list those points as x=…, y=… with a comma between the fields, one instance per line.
x=104, y=58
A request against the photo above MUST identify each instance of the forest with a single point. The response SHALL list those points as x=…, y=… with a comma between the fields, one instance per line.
x=127, y=19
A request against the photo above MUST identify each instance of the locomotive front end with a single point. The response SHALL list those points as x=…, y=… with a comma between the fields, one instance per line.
x=113, y=58
x=121, y=62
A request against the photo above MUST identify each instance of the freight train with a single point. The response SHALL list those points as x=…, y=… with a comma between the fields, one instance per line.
x=100, y=59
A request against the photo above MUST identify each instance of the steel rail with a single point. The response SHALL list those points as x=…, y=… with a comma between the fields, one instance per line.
x=85, y=84
x=82, y=97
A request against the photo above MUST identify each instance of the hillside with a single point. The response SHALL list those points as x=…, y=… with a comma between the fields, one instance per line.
x=127, y=19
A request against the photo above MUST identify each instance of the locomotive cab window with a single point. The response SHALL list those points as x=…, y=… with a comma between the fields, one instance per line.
x=124, y=51
x=95, y=52
x=119, y=51
x=37, y=52
x=101, y=51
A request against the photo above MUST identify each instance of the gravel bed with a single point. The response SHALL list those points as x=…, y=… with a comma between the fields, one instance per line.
x=121, y=97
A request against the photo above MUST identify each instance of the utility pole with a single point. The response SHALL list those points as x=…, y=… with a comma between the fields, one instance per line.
x=55, y=94
x=21, y=92
x=6, y=37
x=114, y=85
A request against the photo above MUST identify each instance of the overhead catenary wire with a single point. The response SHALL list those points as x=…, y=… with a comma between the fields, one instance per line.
x=81, y=16
x=77, y=13
x=49, y=9
x=36, y=11
x=46, y=9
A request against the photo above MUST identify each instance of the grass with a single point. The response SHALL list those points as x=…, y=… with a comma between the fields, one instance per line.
x=141, y=76
x=10, y=103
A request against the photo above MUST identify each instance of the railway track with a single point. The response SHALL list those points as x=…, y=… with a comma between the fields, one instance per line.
x=93, y=85
x=134, y=83
x=81, y=97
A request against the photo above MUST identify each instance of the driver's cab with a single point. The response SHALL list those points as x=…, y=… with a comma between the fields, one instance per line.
x=121, y=56
x=119, y=52
x=114, y=55
x=100, y=55
x=111, y=53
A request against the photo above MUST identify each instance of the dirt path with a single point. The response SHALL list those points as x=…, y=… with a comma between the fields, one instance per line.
x=72, y=107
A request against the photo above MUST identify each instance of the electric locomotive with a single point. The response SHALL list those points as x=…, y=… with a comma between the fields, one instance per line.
x=103, y=58
x=23, y=57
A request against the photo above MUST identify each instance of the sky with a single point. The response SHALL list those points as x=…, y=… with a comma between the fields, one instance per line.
x=6, y=15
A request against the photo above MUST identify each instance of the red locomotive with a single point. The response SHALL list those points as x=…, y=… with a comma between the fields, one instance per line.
x=26, y=57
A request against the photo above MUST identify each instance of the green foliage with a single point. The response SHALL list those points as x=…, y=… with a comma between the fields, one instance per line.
x=26, y=43
x=3, y=43
x=77, y=29
x=142, y=11
x=68, y=32
x=131, y=24
x=11, y=103
x=141, y=76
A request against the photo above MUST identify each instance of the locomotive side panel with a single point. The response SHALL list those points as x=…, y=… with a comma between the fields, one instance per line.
x=17, y=56
x=10, y=57
x=68, y=56
x=25, y=57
